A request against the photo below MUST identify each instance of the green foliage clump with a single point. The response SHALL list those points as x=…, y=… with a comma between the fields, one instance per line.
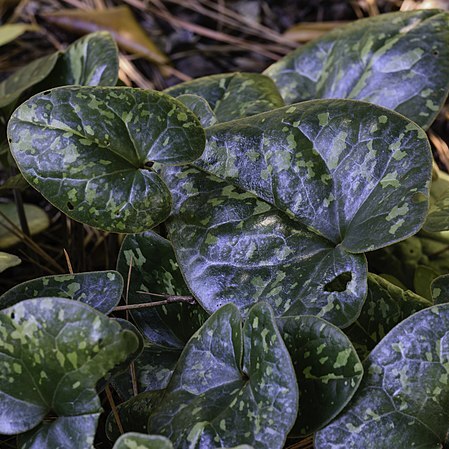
x=303, y=295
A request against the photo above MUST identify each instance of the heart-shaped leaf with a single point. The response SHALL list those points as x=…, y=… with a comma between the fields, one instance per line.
x=386, y=306
x=233, y=95
x=81, y=346
x=383, y=60
x=133, y=440
x=101, y=290
x=355, y=173
x=154, y=269
x=200, y=107
x=327, y=368
x=403, y=400
x=438, y=218
x=153, y=369
x=440, y=289
x=88, y=150
x=89, y=61
x=233, y=247
x=231, y=386
x=133, y=414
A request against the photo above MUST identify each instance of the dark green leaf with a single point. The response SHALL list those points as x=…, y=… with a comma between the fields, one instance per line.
x=355, y=173
x=233, y=247
x=231, y=386
x=403, y=401
x=61, y=348
x=440, y=289
x=382, y=60
x=99, y=289
x=88, y=151
x=233, y=95
x=15, y=182
x=386, y=306
x=154, y=269
x=89, y=61
x=24, y=78
x=153, y=368
x=424, y=275
x=327, y=368
x=134, y=440
x=200, y=107
x=133, y=414
x=74, y=432
x=399, y=260
x=438, y=218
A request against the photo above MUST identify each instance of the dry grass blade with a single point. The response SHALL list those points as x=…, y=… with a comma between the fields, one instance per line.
x=211, y=34
x=129, y=72
x=69, y=263
x=11, y=227
x=235, y=21
x=306, y=443
x=441, y=148
x=308, y=31
x=114, y=409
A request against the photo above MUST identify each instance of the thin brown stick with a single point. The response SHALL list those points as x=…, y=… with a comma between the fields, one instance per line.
x=114, y=409
x=132, y=370
x=69, y=263
x=212, y=34
x=306, y=443
x=169, y=300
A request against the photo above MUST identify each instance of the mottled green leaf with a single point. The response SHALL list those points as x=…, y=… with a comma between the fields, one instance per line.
x=233, y=95
x=61, y=348
x=440, y=289
x=154, y=269
x=233, y=247
x=383, y=60
x=74, y=432
x=88, y=150
x=200, y=107
x=153, y=369
x=327, y=368
x=133, y=440
x=424, y=275
x=231, y=386
x=89, y=61
x=8, y=261
x=386, y=306
x=403, y=401
x=438, y=218
x=99, y=289
x=355, y=173
x=37, y=220
x=133, y=414
x=24, y=78
x=124, y=366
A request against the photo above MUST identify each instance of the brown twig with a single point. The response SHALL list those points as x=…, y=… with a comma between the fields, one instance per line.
x=169, y=299
x=114, y=409
x=306, y=443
